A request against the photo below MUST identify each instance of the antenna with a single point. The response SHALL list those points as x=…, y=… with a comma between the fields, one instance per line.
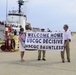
x=20, y=3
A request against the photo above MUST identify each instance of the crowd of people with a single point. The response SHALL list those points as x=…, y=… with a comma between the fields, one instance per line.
x=67, y=39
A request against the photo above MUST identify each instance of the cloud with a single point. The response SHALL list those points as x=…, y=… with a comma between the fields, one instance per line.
x=46, y=13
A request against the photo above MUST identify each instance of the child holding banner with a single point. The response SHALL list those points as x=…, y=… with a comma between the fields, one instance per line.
x=43, y=51
x=22, y=43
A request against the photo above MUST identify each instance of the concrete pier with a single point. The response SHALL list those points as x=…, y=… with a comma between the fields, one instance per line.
x=10, y=63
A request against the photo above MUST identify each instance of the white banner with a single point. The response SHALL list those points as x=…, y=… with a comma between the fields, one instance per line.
x=45, y=40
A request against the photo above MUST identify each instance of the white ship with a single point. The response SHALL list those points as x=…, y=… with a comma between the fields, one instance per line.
x=16, y=18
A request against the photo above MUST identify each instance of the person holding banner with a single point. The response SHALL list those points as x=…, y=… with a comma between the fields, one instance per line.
x=43, y=51
x=67, y=39
x=22, y=43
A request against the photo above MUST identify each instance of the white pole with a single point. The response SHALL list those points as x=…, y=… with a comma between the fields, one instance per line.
x=6, y=9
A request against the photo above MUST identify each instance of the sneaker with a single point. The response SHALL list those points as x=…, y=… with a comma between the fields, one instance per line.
x=69, y=61
x=44, y=59
x=38, y=59
x=63, y=61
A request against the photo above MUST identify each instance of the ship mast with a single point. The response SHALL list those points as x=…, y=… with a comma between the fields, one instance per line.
x=20, y=3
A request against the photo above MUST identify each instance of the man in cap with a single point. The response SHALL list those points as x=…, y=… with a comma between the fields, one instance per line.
x=41, y=51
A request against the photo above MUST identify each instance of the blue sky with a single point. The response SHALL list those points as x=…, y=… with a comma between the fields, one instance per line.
x=51, y=14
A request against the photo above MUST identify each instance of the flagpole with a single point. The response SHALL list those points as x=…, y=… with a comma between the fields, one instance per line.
x=6, y=9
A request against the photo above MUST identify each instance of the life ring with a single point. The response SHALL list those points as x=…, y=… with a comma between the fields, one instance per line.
x=3, y=47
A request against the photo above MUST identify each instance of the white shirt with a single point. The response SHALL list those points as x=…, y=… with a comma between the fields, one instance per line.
x=67, y=35
x=28, y=30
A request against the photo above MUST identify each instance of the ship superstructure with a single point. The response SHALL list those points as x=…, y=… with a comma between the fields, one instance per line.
x=16, y=18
